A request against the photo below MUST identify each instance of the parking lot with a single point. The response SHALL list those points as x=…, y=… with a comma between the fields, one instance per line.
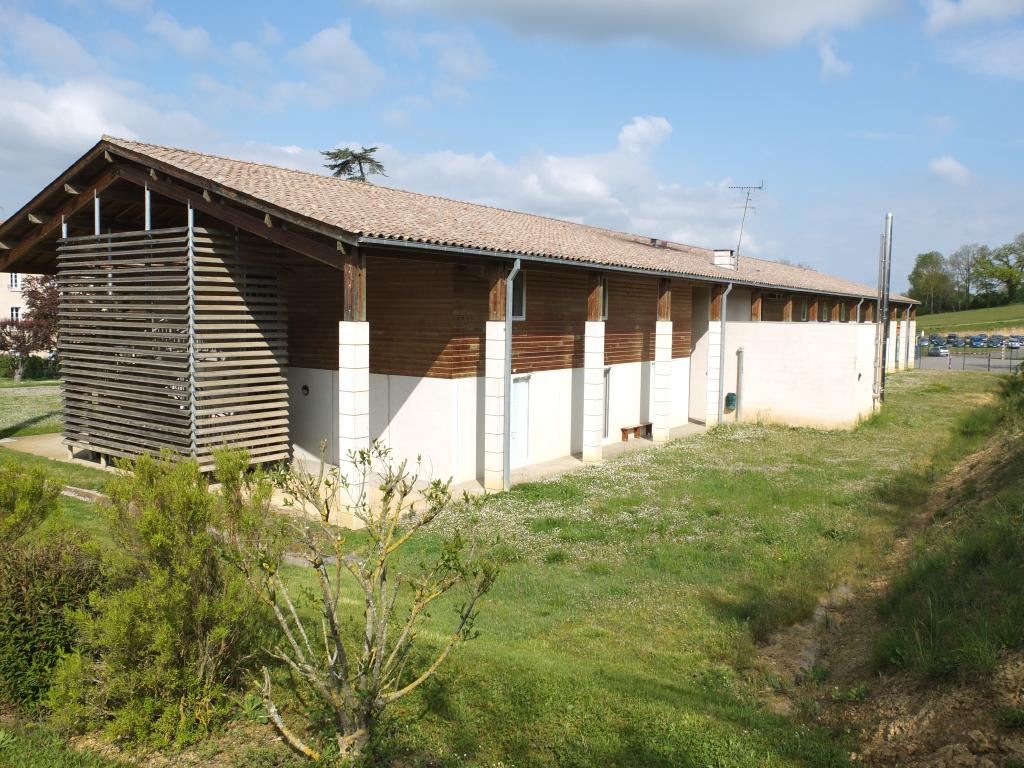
x=995, y=360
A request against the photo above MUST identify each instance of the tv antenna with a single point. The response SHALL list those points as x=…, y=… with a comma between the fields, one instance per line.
x=749, y=190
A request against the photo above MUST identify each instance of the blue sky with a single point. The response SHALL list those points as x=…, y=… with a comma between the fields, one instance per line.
x=636, y=116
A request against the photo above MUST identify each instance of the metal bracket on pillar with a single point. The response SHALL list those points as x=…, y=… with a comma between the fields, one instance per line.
x=96, y=212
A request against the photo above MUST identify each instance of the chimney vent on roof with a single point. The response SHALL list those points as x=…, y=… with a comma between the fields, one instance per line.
x=726, y=258
x=657, y=243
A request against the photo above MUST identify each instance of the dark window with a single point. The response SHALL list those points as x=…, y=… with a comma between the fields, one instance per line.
x=519, y=298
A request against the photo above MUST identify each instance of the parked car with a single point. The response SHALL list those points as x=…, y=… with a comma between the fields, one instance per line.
x=938, y=351
x=922, y=341
x=952, y=338
x=1013, y=343
x=977, y=342
x=996, y=342
x=959, y=343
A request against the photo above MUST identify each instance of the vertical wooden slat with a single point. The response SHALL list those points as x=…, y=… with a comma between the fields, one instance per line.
x=354, y=284
x=595, y=296
x=812, y=310
x=756, y=300
x=716, y=302
x=787, y=309
x=835, y=311
x=497, y=275
x=665, y=299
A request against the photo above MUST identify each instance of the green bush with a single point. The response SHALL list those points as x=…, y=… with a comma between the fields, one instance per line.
x=163, y=649
x=39, y=585
x=27, y=496
x=35, y=367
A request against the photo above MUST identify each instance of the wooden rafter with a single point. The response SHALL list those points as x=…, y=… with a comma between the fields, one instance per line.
x=244, y=221
x=66, y=211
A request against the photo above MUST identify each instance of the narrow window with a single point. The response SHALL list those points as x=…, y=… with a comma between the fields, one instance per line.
x=15, y=313
x=826, y=311
x=13, y=281
x=604, y=300
x=803, y=310
x=844, y=313
x=519, y=298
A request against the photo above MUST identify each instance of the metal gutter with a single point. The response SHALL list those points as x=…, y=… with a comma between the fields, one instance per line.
x=506, y=409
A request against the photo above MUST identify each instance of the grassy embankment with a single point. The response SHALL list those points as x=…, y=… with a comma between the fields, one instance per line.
x=623, y=629
x=1008, y=319
x=959, y=605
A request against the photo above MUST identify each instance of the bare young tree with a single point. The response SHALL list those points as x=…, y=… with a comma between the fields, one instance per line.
x=22, y=338
x=356, y=675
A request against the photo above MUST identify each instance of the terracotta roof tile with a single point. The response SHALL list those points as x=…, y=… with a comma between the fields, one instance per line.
x=375, y=211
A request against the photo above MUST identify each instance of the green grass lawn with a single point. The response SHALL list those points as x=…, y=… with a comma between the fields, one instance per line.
x=12, y=384
x=991, y=319
x=623, y=630
x=29, y=410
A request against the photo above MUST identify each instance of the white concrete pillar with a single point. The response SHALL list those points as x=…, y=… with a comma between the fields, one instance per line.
x=714, y=371
x=661, y=417
x=593, y=391
x=890, y=351
x=494, y=406
x=353, y=391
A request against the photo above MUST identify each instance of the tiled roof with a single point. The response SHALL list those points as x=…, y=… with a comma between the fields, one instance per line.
x=374, y=211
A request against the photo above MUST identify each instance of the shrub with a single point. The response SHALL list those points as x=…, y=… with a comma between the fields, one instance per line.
x=350, y=680
x=39, y=585
x=27, y=496
x=164, y=648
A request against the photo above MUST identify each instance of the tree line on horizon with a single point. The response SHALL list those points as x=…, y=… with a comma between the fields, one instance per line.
x=971, y=277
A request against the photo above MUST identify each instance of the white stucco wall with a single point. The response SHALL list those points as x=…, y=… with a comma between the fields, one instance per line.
x=737, y=307
x=313, y=417
x=811, y=374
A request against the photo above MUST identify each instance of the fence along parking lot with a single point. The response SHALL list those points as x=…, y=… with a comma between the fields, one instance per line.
x=967, y=359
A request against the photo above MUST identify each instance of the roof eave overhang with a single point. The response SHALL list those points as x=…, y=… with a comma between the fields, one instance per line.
x=389, y=242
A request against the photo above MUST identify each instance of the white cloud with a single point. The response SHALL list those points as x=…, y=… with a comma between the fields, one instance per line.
x=44, y=45
x=337, y=68
x=249, y=55
x=997, y=55
x=618, y=188
x=44, y=127
x=831, y=64
x=459, y=55
x=758, y=23
x=942, y=14
x=269, y=34
x=187, y=41
x=644, y=133
x=950, y=169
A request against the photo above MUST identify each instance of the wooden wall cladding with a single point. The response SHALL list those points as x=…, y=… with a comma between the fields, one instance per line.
x=314, y=310
x=149, y=364
x=773, y=308
x=682, y=318
x=241, y=347
x=428, y=316
x=632, y=314
x=551, y=336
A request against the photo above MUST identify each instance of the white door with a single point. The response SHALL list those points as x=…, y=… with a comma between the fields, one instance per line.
x=519, y=438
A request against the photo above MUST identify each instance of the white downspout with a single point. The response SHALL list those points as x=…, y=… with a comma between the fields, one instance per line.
x=721, y=356
x=858, y=309
x=506, y=437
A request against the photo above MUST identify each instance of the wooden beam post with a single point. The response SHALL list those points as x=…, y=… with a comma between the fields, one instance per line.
x=595, y=296
x=354, y=279
x=756, y=302
x=716, y=303
x=835, y=311
x=498, y=285
x=812, y=310
x=787, y=309
x=664, y=299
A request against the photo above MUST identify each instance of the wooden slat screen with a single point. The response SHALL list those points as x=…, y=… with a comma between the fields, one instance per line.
x=163, y=346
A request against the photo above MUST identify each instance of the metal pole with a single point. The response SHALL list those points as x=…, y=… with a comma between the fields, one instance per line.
x=739, y=383
x=96, y=212
x=885, y=267
x=148, y=217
